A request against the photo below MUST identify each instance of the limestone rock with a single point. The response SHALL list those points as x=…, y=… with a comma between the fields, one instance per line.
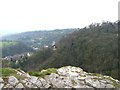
x=33, y=79
x=69, y=70
x=1, y=85
x=39, y=84
x=12, y=80
x=65, y=77
x=1, y=80
x=20, y=85
x=22, y=73
x=8, y=86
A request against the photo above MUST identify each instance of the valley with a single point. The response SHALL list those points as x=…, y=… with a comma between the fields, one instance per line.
x=93, y=48
x=31, y=41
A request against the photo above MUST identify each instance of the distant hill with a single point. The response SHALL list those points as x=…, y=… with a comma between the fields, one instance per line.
x=30, y=41
x=39, y=38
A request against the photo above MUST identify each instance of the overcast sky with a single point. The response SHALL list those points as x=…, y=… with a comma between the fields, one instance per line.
x=30, y=15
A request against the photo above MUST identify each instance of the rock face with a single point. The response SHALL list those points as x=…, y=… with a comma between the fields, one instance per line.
x=66, y=77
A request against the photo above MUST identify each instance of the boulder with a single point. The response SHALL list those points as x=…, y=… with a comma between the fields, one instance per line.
x=20, y=85
x=12, y=80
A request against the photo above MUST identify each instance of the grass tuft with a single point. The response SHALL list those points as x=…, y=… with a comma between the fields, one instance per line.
x=43, y=73
x=7, y=71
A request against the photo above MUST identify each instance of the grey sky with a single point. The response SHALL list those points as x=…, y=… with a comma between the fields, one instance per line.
x=30, y=15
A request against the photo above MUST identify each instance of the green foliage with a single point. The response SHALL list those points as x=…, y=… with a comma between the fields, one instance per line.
x=7, y=43
x=7, y=71
x=27, y=40
x=43, y=73
x=17, y=48
x=10, y=72
x=96, y=74
x=39, y=38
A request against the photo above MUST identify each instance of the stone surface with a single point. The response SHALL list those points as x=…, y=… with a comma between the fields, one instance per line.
x=8, y=86
x=12, y=80
x=22, y=73
x=1, y=85
x=20, y=85
x=33, y=79
x=66, y=77
x=1, y=80
x=39, y=84
x=69, y=70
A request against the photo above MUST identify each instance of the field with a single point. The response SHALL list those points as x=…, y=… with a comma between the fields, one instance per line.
x=7, y=43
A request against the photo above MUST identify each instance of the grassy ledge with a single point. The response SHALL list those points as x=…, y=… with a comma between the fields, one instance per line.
x=6, y=72
x=43, y=72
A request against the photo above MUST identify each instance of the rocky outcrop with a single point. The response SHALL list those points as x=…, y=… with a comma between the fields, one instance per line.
x=65, y=77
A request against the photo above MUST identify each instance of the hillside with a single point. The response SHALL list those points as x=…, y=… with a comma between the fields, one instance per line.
x=7, y=43
x=10, y=48
x=94, y=48
x=61, y=78
x=39, y=39
x=31, y=41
